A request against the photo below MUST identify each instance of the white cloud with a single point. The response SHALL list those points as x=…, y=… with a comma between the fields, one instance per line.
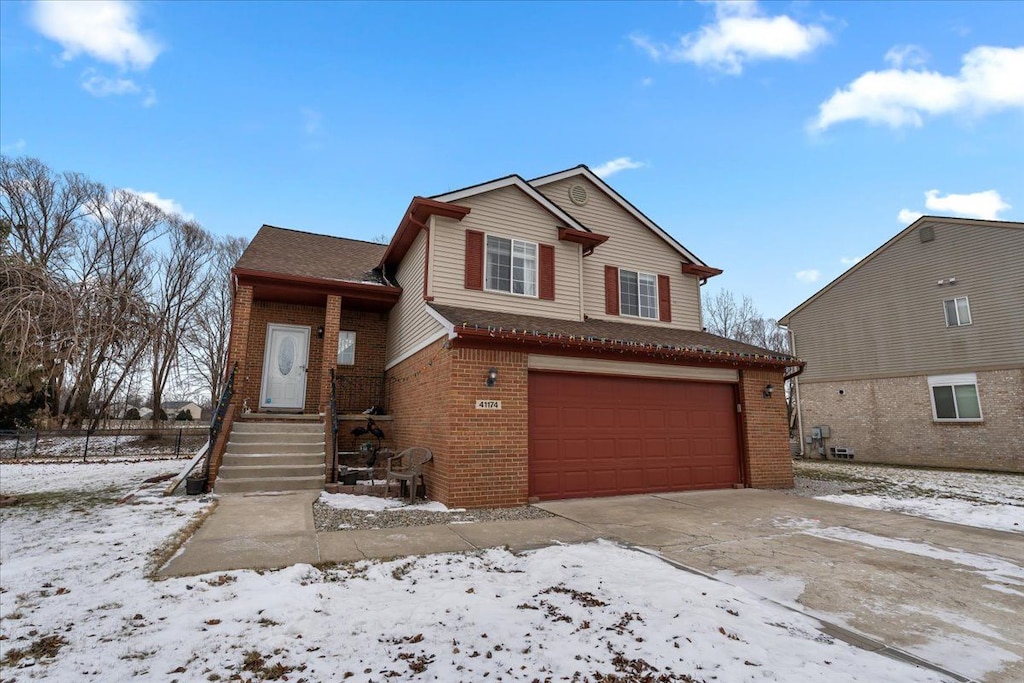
x=615, y=165
x=985, y=205
x=809, y=275
x=740, y=33
x=98, y=85
x=906, y=216
x=16, y=147
x=906, y=55
x=990, y=79
x=850, y=260
x=107, y=30
x=162, y=203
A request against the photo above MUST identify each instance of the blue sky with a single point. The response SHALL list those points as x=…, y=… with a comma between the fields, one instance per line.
x=778, y=141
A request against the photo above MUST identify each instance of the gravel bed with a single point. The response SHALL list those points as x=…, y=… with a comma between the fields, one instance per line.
x=812, y=488
x=332, y=519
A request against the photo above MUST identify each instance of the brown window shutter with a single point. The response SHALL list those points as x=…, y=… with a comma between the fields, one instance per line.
x=547, y=272
x=611, y=290
x=474, y=260
x=664, y=299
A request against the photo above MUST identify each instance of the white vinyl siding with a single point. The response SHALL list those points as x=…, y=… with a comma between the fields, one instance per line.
x=506, y=212
x=955, y=398
x=511, y=266
x=631, y=245
x=638, y=294
x=958, y=311
x=409, y=324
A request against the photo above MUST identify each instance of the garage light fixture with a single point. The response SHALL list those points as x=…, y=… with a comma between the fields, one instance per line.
x=768, y=391
x=492, y=377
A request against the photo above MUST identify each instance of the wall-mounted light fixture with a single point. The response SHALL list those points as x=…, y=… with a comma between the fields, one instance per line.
x=768, y=391
x=492, y=377
x=320, y=332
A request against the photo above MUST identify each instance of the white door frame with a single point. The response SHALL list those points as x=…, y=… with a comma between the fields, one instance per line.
x=271, y=327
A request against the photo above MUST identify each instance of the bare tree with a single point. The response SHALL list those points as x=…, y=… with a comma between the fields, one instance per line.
x=207, y=336
x=178, y=294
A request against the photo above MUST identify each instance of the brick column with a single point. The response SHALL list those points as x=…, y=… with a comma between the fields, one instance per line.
x=765, y=429
x=329, y=359
x=238, y=344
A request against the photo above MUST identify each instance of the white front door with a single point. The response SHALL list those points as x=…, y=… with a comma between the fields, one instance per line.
x=284, y=368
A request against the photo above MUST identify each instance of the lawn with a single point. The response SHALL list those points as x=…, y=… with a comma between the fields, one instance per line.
x=989, y=500
x=77, y=604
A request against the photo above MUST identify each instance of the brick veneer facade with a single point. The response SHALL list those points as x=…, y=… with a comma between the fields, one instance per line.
x=890, y=421
x=481, y=456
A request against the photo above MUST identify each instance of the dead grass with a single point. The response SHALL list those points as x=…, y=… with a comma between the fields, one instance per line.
x=162, y=554
x=45, y=647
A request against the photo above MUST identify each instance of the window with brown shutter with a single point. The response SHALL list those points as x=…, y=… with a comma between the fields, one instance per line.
x=547, y=272
x=664, y=299
x=474, y=260
x=611, y=290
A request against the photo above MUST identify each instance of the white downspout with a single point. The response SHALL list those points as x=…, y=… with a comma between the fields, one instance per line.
x=796, y=390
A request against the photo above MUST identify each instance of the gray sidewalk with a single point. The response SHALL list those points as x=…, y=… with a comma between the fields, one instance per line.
x=269, y=531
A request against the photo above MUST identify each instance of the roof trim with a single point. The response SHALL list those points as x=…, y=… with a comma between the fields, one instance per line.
x=700, y=271
x=920, y=222
x=416, y=215
x=585, y=171
x=513, y=180
x=340, y=287
x=589, y=240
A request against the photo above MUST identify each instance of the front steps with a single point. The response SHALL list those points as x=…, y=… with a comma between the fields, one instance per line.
x=267, y=453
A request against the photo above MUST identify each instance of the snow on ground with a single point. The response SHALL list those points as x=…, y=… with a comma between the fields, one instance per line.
x=77, y=606
x=345, y=501
x=983, y=499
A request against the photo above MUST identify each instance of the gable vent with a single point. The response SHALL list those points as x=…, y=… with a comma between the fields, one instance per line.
x=578, y=195
x=927, y=233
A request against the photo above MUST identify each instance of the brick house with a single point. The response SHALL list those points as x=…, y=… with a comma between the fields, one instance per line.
x=915, y=355
x=543, y=338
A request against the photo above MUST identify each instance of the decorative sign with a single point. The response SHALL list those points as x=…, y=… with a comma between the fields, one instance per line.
x=483, y=404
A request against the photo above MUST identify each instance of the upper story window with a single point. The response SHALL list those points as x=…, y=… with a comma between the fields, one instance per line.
x=638, y=294
x=955, y=397
x=346, y=348
x=511, y=266
x=958, y=311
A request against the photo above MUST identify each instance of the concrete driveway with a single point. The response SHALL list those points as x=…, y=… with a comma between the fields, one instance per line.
x=949, y=594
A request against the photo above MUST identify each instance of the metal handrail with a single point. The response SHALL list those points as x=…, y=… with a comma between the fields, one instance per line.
x=334, y=428
x=217, y=423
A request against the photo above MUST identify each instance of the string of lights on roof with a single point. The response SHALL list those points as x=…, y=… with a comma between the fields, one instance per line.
x=655, y=349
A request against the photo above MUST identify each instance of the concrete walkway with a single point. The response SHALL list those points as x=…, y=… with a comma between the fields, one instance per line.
x=951, y=595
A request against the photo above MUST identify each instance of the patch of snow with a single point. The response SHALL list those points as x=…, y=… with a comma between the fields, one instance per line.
x=1001, y=516
x=782, y=589
x=348, y=501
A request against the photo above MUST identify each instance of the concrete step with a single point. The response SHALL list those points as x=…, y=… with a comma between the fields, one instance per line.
x=271, y=471
x=225, y=485
x=245, y=427
x=293, y=459
x=276, y=437
x=274, y=448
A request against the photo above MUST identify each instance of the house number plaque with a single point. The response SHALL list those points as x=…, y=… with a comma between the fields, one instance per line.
x=483, y=404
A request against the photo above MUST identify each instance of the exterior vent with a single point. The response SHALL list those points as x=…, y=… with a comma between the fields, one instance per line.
x=578, y=195
x=927, y=233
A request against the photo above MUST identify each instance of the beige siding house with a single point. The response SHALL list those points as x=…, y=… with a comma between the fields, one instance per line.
x=916, y=354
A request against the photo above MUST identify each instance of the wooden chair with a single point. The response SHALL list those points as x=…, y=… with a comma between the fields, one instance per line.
x=410, y=467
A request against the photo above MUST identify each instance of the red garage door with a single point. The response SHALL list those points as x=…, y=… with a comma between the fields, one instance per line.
x=595, y=435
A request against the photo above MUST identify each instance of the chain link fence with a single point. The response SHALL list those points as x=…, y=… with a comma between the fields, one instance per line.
x=102, y=444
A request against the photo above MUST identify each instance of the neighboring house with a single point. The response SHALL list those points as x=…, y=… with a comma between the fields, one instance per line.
x=172, y=408
x=916, y=354
x=543, y=338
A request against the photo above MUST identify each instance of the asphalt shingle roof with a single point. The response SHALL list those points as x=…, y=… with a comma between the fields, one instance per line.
x=292, y=252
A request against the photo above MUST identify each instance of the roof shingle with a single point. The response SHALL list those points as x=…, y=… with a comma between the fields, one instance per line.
x=292, y=252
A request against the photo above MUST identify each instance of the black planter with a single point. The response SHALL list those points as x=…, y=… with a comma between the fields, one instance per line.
x=195, y=485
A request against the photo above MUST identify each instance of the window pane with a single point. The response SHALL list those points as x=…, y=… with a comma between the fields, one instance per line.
x=967, y=401
x=648, y=286
x=499, y=264
x=346, y=348
x=629, y=298
x=945, y=408
x=524, y=268
x=950, y=305
x=963, y=311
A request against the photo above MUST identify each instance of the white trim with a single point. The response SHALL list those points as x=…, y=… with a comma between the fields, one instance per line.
x=962, y=378
x=595, y=366
x=618, y=199
x=449, y=327
x=416, y=349
x=511, y=280
x=657, y=299
x=307, y=331
x=337, y=358
x=516, y=181
x=956, y=309
x=951, y=381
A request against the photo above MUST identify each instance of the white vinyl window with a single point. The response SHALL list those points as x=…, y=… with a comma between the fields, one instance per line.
x=511, y=266
x=955, y=398
x=638, y=294
x=346, y=348
x=958, y=311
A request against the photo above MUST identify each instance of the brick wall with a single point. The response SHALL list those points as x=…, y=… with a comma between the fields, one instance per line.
x=238, y=340
x=890, y=421
x=362, y=383
x=263, y=312
x=765, y=430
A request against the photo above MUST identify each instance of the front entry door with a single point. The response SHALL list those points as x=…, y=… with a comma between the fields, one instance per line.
x=284, y=368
